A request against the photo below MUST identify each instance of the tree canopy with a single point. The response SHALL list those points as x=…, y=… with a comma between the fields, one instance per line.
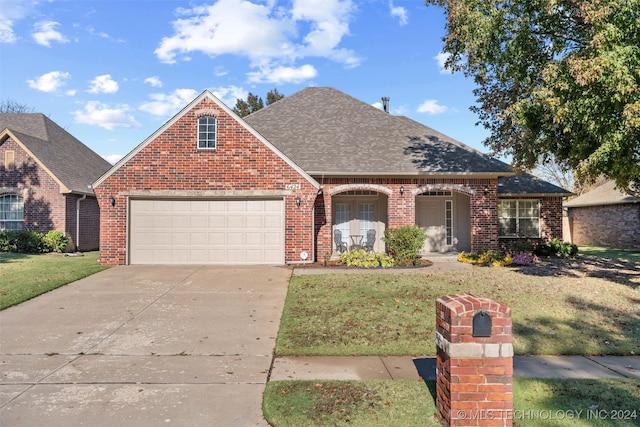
x=254, y=103
x=555, y=79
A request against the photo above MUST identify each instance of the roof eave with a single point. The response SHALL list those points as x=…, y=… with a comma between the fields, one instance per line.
x=534, y=194
x=483, y=175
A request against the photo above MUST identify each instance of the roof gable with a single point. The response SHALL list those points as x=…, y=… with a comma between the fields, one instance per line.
x=71, y=163
x=204, y=95
x=328, y=132
x=606, y=194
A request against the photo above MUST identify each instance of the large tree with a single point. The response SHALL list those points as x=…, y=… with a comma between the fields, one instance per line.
x=555, y=79
x=255, y=103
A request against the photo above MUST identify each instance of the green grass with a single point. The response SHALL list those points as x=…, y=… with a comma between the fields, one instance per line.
x=26, y=276
x=558, y=307
x=610, y=253
x=538, y=403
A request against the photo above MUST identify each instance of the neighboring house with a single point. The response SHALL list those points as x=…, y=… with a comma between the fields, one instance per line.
x=278, y=186
x=45, y=180
x=604, y=216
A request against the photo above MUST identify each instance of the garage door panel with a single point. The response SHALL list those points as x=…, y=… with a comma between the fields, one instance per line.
x=206, y=232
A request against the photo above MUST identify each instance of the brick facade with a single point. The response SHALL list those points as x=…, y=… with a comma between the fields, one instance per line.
x=615, y=226
x=45, y=207
x=240, y=166
x=474, y=374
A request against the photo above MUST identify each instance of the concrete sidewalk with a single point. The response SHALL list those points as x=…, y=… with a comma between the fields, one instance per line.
x=396, y=368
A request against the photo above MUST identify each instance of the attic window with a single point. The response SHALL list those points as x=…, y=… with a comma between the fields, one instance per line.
x=207, y=132
x=9, y=160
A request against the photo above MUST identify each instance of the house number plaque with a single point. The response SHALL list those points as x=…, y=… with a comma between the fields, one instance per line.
x=292, y=187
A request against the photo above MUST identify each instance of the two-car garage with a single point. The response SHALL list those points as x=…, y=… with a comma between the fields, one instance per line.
x=206, y=231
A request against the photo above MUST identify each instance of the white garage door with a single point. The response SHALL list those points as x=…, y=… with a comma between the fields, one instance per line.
x=206, y=232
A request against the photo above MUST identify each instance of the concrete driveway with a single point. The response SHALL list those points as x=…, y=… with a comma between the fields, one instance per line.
x=143, y=345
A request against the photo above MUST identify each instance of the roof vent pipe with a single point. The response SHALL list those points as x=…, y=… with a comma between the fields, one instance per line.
x=385, y=104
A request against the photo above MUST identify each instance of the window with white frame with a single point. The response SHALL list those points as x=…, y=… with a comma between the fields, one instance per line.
x=207, y=132
x=519, y=218
x=11, y=212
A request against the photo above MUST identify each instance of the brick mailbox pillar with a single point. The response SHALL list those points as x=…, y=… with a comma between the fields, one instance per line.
x=474, y=361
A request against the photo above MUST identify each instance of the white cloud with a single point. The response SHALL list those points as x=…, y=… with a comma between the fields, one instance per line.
x=113, y=158
x=49, y=82
x=103, y=84
x=431, y=106
x=441, y=59
x=44, y=33
x=98, y=114
x=228, y=26
x=12, y=11
x=400, y=13
x=163, y=105
x=280, y=75
x=230, y=95
x=271, y=37
x=153, y=81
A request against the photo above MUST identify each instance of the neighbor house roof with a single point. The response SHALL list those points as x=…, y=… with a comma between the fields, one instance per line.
x=606, y=194
x=71, y=163
x=531, y=185
x=327, y=132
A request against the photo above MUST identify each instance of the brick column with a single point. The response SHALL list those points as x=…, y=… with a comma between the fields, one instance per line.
x=474, y=373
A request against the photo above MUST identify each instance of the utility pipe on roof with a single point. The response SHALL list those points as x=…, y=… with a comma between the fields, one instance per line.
x=84, y=196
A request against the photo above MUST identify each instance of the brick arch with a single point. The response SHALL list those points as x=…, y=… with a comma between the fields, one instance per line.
x=444, y=187
x=352, y=187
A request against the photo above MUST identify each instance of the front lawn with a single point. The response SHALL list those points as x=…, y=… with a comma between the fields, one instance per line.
x=584, y=306
x=406, y=403
x=25, y=276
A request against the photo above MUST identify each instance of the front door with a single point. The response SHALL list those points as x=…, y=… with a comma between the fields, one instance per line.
x=432, y=218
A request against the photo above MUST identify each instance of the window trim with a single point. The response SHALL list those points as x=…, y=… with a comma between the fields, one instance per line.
x=518, y=218
x=204, y=143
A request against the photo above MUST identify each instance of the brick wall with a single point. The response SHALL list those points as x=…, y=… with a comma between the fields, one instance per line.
x=44, y=206
x=89, y=222
x=615, y=226
x=173, y=162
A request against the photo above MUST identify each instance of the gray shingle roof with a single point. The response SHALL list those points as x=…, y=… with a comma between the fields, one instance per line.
x=530, y=185
x=325, y=131
x=74, y=164
x=606, y=194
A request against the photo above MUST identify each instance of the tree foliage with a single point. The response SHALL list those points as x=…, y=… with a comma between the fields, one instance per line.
x=254, y=103
x=555, y=79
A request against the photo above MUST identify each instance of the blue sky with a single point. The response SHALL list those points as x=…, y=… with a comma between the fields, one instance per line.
x=111, y=72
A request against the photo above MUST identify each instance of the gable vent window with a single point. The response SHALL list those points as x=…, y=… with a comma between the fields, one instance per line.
x=10, y=160
x=207, y=132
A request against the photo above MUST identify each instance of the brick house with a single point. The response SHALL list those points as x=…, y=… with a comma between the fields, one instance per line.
x=45, y=180
x=309, y=176
x=604, y=216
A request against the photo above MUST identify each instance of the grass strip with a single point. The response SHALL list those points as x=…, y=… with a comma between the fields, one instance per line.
x=538, y=403
x=25, y=276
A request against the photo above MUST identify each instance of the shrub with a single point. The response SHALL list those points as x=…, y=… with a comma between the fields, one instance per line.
x=499, y=259
x=556, y=248
x=404, y=243
x=524, y=258
x=55, y=241
x=23, y=241
x=366, y=259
